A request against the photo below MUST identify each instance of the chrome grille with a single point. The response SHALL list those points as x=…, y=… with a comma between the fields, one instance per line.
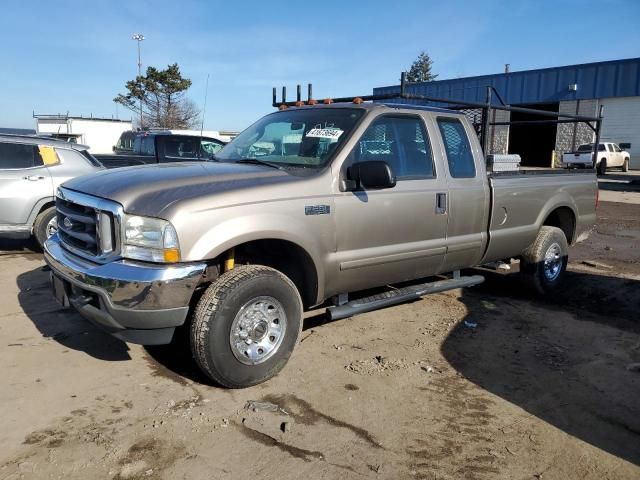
x=77, y=226
x=88, y=226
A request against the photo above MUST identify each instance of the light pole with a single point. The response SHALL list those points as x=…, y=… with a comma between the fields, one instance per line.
x=139, y=38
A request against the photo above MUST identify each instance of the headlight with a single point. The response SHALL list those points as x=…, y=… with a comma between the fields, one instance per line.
x=150, y=239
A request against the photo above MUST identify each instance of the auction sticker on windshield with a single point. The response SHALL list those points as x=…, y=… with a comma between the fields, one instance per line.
x=333, y=133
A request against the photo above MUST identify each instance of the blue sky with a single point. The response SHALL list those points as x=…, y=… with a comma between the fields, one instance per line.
x=75, y=56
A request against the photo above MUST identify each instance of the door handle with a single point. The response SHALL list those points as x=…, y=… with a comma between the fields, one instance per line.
x=441, y=203
x=33, y=178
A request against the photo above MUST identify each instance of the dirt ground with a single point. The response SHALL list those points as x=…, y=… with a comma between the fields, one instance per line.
x=491, y=382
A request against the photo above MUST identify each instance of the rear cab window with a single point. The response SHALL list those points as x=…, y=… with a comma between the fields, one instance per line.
x=19, y=156
x=457, y=148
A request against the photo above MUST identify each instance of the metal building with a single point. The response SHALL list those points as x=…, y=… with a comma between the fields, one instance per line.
x=575, y=89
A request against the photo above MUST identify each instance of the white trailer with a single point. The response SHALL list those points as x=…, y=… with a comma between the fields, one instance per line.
x=100, y=134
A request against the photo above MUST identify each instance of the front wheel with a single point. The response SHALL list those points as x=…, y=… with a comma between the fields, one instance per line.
x=543, y=264
x=625, y=165
x=246, y=326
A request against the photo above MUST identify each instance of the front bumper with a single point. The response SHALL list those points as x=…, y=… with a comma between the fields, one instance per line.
x=136, y=302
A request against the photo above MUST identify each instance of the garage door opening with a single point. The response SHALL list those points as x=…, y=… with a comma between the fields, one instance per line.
x=534, y=143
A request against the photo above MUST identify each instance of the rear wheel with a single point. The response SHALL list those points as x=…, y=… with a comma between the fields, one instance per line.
x=45, y=225
x=602, y=167
x=625, y=165
x=543, y=264
x=246, y=326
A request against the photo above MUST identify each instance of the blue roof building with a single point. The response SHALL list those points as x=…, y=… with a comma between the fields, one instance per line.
x=575, y=89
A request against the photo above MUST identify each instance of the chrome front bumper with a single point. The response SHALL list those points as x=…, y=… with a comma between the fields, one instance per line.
x=134, y=301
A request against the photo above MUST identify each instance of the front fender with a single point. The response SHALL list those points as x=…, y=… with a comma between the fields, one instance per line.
x=241, y=229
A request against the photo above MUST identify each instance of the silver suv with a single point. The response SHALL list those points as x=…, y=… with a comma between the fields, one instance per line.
x=31, y=169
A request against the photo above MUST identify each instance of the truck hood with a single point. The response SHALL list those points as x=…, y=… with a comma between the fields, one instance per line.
x=152, y=189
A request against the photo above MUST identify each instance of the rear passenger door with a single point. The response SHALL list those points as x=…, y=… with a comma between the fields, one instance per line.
x=468, y=193
x=390, y=235
x=24, y=180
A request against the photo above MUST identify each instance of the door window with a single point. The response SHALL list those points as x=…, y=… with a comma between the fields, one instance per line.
x=616, y=148
x=610, y=147
x=402, y=142
x=14, y=156
x=456, y=145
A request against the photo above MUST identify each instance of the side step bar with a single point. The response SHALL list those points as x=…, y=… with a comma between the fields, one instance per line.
x=401, y=295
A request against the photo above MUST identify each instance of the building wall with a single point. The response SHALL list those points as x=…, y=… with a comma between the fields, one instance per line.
x=499, y=134
x=621, y=124
x=570, y=135
x=99, y=135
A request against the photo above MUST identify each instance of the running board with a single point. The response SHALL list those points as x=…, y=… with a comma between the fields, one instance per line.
x=401, y=295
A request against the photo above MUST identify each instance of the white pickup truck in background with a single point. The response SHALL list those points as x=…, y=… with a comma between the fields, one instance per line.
x=610, y=155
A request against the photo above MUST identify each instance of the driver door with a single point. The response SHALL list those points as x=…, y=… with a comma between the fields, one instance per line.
x=396, y=234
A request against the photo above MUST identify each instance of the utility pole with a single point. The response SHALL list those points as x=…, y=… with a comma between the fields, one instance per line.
x=139, y=38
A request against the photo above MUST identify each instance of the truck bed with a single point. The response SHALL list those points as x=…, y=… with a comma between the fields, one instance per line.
x=522, y=201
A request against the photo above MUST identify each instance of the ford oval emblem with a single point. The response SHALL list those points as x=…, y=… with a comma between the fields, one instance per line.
x=67, y=222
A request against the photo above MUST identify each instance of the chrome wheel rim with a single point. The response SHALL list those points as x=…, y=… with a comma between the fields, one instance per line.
x=553, y=262
x=257, y=330
x=52, y=227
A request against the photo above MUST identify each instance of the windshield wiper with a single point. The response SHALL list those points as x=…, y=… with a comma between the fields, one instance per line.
x=255, y=161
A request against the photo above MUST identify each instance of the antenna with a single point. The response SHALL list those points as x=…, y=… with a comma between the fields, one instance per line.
x=204, y=108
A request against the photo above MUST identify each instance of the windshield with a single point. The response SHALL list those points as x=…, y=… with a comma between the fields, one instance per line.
x=302, y=138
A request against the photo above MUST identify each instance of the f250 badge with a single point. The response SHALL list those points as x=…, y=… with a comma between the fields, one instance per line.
x=317, y=210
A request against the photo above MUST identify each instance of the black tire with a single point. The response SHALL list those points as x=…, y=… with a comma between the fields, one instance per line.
x=625, y=165
x=533, y=266
x=215, y=314
x=602, y=167
x=41, y=224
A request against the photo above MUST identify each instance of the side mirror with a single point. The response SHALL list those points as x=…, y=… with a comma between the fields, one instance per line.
x=113, y=148
x=371, y=175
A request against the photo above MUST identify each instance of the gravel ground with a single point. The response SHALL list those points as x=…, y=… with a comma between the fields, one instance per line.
x=490, y=382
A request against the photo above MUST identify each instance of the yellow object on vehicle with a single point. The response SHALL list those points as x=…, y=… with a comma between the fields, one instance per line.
x=49, y=155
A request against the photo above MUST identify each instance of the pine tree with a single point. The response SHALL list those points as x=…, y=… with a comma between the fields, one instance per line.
x=420, y=70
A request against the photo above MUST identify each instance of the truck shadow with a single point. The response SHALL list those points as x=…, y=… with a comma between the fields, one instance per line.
x=566, y=360
x=619, y=182
x=12, y=246
x=64, y=326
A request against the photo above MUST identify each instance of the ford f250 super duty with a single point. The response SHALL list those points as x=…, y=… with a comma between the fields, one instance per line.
x=306, y=206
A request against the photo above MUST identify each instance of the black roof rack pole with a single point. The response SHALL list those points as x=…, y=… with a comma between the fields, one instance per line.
x=485, y=121
x=596, y=144
x=448, y=102
x=309, y=91
x=497, y=95
x=539, y=122
x=298, y=93
x=274, y=97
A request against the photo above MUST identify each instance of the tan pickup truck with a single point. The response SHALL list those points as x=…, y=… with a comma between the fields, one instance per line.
x=305, y=207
